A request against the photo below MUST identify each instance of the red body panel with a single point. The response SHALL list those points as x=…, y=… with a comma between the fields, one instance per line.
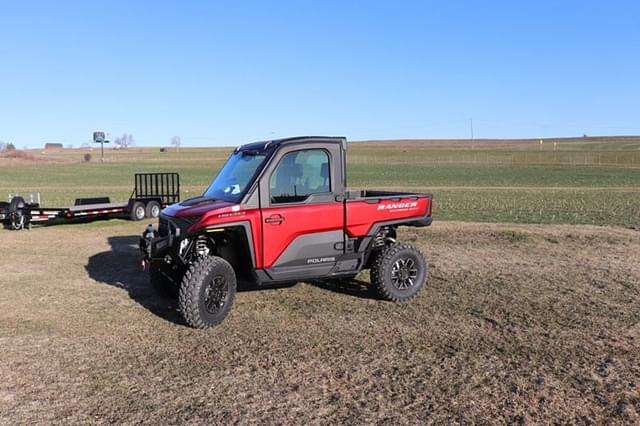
x=281, y=225
x=362, y=215
x=229, y=213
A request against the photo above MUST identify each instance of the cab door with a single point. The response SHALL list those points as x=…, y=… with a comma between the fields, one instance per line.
x=302, y=223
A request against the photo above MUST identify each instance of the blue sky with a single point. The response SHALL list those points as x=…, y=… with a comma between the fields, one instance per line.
x=224, y=73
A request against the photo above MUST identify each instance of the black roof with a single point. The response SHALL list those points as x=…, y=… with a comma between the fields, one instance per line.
x=264, y=145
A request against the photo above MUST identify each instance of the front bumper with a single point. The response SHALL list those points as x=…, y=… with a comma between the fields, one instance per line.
x=155, y=248
x=157, y=244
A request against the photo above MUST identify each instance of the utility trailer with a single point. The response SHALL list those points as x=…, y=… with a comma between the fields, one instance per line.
x=151, y=193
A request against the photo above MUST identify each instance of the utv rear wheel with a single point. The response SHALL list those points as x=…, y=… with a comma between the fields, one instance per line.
x=399, y=272
x=207, y=292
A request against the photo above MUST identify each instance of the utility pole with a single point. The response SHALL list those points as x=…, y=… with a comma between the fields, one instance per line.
x=471, y=131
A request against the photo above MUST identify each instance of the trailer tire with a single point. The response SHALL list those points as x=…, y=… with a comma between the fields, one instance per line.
x=398, y=273
x=16, y=204
x=16, y=216
x=153, y=210
x=138, y=211
x=163, y=285
x=207, y=292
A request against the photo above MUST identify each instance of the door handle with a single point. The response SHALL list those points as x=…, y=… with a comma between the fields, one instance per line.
x=275, y=219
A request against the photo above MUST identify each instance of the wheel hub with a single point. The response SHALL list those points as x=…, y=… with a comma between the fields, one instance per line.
x=215, y=294
x=404, y=273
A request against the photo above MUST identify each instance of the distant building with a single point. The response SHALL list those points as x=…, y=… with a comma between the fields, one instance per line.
x=53, y=147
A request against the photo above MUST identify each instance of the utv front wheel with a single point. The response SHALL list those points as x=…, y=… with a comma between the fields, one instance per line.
x=207, y=292
x=399, y=272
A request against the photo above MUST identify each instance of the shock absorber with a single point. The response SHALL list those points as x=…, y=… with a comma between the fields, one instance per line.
x=202, y=247
x=384, y=237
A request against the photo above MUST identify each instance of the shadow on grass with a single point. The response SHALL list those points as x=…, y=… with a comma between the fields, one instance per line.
x=349, y=286
x=120, y=267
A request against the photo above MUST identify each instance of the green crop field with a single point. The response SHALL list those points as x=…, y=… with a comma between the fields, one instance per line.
x=563, y=181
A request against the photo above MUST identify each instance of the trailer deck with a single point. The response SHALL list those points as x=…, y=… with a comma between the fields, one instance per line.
x=82, y=211
x=151, y=193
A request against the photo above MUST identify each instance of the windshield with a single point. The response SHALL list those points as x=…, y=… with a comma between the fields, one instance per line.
x=234, y=177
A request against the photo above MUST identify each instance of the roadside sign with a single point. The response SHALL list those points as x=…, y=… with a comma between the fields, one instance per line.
x=99, y=137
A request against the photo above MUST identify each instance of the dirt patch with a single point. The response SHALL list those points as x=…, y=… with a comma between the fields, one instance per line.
x=519, y=323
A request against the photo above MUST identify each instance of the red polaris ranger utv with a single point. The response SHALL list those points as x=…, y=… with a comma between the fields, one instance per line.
x=279, y=211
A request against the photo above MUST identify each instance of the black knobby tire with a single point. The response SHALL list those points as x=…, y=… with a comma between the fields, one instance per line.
x=153, y=209
x=207, y=292
x=138, y=211
x=162, y=284
x=399, y=272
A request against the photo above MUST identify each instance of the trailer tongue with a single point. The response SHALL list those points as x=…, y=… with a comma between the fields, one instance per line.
x=151, y=193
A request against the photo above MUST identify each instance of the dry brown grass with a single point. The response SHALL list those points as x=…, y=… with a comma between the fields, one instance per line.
x=519, y=323
x=22, y=157
x=17, y=154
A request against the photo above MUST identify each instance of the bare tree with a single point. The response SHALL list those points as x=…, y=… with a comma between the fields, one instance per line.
x=3, y=146
x=124, y=141
x=176, y=141
x=69, y=146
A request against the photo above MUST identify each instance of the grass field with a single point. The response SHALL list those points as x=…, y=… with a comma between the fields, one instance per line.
x=519, y=323
x=584, y=181
x=533, y=319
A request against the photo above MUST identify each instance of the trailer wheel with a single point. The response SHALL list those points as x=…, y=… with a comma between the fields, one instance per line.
x=153, y=209
x=17, y=203
x=399, y=271
x=137, y=211
x=207, y=292
x=16, y=216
